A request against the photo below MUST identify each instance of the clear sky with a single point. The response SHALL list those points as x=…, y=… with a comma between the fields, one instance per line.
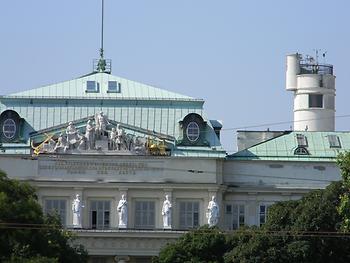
x=230, y=53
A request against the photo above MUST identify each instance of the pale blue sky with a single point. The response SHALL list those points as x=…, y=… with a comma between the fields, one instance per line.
x=230, y=53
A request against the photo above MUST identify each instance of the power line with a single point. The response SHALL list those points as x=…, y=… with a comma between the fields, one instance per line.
x=282, y=122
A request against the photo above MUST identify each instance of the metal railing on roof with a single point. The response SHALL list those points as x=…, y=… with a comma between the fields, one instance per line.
x=321, y=69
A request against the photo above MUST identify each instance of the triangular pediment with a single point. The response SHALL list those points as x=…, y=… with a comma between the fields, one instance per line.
x=89, y=136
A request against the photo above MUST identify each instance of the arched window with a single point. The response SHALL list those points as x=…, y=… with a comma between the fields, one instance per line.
x=301, y=151
x=192, y=131
x=9, y=128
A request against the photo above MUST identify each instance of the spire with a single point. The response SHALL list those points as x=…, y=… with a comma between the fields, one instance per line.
x=102, y=65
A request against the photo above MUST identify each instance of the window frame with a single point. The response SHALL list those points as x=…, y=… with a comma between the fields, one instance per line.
x=147, y=215
x=105, y=213
x=315, y=99
x=188, y=129
x=334, y=142
x=235, y=216
x=96, y=87
x=265, y=213
x=63, y=216
x=302, y=140
x=117, y=87
x=189, y=214
x=13, y=124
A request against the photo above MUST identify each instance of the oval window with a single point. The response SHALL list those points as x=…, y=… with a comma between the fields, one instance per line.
x=9, y=128
x=192, y=131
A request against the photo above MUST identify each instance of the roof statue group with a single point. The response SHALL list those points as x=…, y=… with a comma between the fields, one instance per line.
x=99, y=136
x=122, y=210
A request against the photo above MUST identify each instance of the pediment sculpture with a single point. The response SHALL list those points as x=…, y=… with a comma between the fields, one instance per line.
x=99, y=136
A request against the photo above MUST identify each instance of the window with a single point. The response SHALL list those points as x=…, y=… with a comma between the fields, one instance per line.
x=301, y=151
x=192, y=131
x=263, y=213
x=315, y=101
x=99, y=214
x=114, y=86
x=234, y=216
x=189, y=214
x=56, y=206
x=334, y=141
x=92, y=86
x=9, y=128
x=302, y=140
x=144, y=214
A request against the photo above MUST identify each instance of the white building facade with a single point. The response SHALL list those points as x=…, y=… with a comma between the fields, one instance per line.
x=108, y=154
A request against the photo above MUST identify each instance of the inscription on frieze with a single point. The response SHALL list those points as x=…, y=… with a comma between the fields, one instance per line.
x=101, y=167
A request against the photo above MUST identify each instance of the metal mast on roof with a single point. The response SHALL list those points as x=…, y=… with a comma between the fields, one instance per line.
x=102, y=17
x=102, y=65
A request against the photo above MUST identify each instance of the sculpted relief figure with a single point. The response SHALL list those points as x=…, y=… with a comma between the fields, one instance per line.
x=166, y=212
x=61, y=144
x=101, y=122
x=122, y=209
x=90, y=135
x=72, y=135
x=112, y=139
x=120, y=140
x=76, y=208
x=213, y=212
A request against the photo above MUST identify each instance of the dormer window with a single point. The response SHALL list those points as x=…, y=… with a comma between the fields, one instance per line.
x=302, y=140
x=114, y=87
x=92, y=86
x=334, y=141
x=9, y=129
x=192, y=131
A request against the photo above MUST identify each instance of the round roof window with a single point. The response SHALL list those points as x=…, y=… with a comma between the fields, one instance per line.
x=192, y=131
x=9, y=128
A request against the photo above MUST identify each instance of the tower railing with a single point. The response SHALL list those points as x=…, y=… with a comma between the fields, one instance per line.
x=321, y=69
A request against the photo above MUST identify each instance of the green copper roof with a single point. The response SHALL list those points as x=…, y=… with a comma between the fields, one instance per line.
x=76, y=88
x=283, y=148
x=140, y=108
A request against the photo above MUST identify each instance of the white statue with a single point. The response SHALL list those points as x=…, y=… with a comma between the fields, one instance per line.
x=120, y=137
x=101, y=123
x=112, y=139
x=213, y=212
x=122, y=209
x=61, y=143
x=72, y=134
x=166, y=212
x=76, y=208
x=90, y=135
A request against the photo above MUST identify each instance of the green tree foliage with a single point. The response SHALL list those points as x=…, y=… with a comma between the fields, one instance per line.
x=202, y=245
x=26, y=235
x=306, y=230
x=344, y=206
x=296, y=231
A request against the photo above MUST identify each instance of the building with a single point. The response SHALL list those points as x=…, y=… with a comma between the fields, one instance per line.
x=99, y=140
x=101, y=137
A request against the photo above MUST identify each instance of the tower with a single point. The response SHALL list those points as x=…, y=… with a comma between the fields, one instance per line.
x=313, y=85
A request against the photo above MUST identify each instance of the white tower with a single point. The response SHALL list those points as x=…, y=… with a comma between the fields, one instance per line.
x=313, y=85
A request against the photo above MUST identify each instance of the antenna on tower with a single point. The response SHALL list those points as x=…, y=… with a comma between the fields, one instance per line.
x=102, y=65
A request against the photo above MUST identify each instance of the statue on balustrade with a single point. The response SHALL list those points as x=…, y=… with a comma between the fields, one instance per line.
x=72, y=135
x=101, y=122
x=120, y=140
x=122, y=209
x=166, y=212
x=213, y=212
x=90, y=135
x=62, y=144
x=76, y=208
